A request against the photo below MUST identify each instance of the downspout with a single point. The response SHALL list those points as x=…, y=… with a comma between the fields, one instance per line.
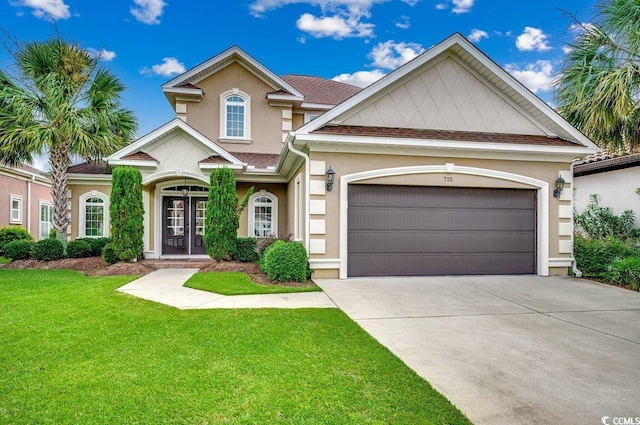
x=574, y=263
x=307, y=194
x=29, y=204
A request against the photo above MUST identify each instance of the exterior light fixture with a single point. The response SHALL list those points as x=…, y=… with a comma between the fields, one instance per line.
x=330, y=174
x=185, y=189
x=559, y=186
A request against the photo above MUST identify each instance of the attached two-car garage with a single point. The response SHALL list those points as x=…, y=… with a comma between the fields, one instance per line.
x=422, y=231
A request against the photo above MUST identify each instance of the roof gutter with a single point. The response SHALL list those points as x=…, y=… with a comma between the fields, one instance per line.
x=307, y=196
x=574, y=262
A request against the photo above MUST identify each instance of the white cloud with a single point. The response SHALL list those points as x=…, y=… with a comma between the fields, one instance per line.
x=148, y=11
x=411, y=2
x=168, y=67
x=391, y=55
x=338, y=18
x=462, y=6
x=457, y=6
x=47, y=9
x=334, y=26
x=102, y=54
x=360, y=78
x=404, y=22
x=532, y=39
x=477, y=35
x=535, y=76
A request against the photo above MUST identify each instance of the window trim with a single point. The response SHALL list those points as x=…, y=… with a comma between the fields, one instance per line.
x=223, y=117
x=274, y=213
x=42, y=204
x=310, y=116
x=82, y=225
x=17, y=198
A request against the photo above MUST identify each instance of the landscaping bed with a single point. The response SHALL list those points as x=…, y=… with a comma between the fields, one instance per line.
x=91, y=266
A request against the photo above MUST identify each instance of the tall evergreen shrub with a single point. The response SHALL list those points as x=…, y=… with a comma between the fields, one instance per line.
x=126, y=211
x=223, y=214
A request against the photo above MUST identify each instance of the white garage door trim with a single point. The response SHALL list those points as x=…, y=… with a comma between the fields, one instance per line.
x=542, y=202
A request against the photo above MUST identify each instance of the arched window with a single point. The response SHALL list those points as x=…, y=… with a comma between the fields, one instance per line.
x=94, y=215
x=263, y=215
x=235, y=115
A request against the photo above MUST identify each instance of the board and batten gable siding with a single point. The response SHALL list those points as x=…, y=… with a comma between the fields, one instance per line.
x=444, y=96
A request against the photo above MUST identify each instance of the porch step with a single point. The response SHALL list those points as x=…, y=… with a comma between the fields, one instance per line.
x=178, y=264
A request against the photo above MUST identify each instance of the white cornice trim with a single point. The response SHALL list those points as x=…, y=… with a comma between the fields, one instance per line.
x=209, y=166
x=134, y=163
x=317, y=106
x=285, y=97
x=242, y=56
x=25, y=175
x=185, y=91
x=347, y=143
x=173, y=125
x=183, y=174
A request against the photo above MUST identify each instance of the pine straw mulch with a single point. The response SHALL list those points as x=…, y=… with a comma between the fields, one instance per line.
x=92, y=266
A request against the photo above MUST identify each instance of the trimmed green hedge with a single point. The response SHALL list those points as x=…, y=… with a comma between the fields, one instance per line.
x=109, y=254
x=286, y=262
x=13, y=233
x=48, y=250
x=246, y=250
x=18, y=250
x=79, y=249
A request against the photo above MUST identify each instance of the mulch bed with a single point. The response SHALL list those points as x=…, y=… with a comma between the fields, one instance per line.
x=95, y=266
x=92, y=266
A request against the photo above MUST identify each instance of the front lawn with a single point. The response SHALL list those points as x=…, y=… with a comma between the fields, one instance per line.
x=73, y=350
x=237, y=283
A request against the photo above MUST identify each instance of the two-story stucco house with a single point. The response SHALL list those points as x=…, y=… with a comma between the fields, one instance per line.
x=25, y=200
x=447, y=165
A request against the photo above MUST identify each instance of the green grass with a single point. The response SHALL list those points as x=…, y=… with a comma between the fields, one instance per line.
x=75, y=351
x=4, y=260
x=237, y=283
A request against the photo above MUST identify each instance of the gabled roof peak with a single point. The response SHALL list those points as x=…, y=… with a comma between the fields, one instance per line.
x=223, y=59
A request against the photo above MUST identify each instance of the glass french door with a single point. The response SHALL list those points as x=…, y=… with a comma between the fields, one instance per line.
x=183, y=225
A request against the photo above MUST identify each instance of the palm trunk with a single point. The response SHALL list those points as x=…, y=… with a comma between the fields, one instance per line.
x=59, y=161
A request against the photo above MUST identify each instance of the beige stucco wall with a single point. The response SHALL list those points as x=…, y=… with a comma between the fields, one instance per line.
x=444, y=96
x=617, y=189
x=344, y=164
x=266, y=121
x=280, y=191
x=291, y=210
x=18, y=185
x=78, y=190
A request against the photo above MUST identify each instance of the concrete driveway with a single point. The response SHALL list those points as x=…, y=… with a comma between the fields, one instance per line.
x=509, y=349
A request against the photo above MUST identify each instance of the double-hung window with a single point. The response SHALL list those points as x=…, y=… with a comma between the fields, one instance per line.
x=15, y=205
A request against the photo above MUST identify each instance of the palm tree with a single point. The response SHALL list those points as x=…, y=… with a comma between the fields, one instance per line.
x=62, y=103
x=598, y=88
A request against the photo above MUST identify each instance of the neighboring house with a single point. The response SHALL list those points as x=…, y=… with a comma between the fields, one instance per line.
x=25, y=195
x=445, y=166
x=613, y=177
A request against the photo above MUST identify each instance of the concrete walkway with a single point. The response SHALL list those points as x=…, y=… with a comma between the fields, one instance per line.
x=166, y=286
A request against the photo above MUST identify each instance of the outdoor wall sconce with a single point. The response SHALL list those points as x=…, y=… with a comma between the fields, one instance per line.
x=330, y=174
x=559, y=186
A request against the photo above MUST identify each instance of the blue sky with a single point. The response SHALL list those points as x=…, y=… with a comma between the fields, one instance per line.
x=148, y=42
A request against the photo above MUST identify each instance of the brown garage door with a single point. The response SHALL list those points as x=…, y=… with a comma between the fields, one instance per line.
x=422, y=231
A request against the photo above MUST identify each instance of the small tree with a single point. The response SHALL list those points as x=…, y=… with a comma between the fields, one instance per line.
x=127, y=213
x=223, y=214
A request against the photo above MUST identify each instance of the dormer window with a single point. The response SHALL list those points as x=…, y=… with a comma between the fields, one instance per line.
x=235, y=116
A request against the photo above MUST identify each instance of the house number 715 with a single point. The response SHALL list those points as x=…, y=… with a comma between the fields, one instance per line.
x=448, y=179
